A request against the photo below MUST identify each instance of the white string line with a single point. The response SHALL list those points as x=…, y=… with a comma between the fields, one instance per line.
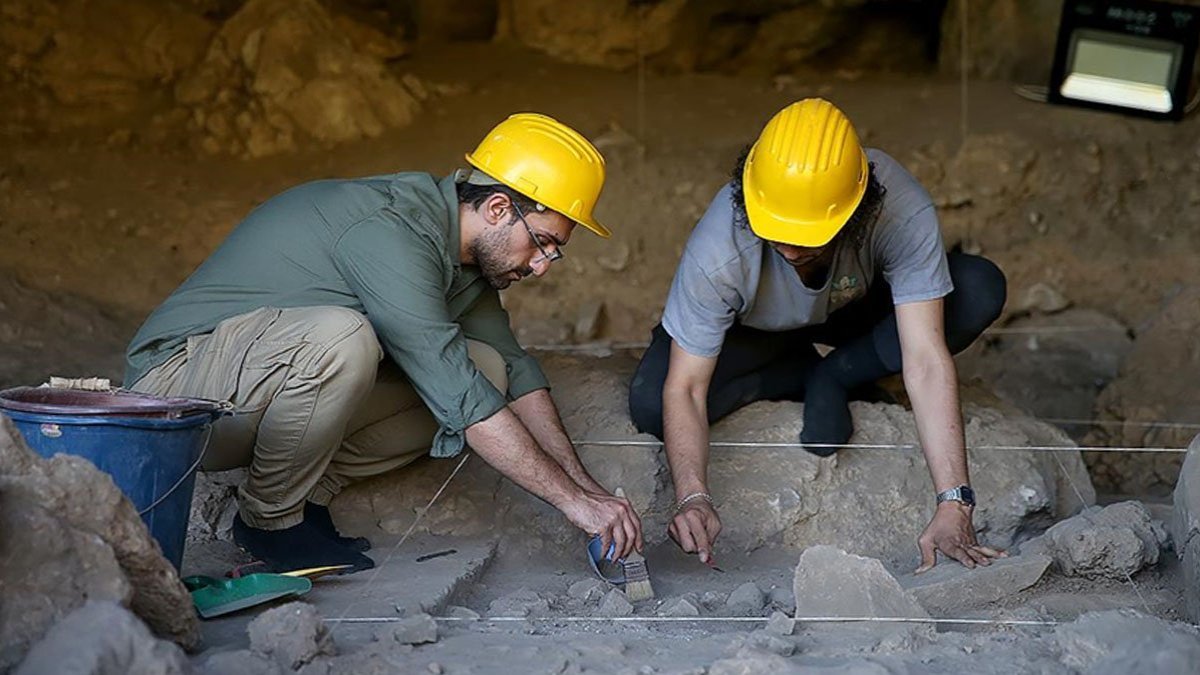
x=396, y=547
x=882, y=446
x=705, y=619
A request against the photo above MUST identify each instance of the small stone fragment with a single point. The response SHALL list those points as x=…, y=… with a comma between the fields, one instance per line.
x=780, y=624
x=615, y=604
x=1043, y=298
x=520, y=603
x=745, y=600
x=749, y=660
x=435, y=668
x=587, y=590
x=589, y=319
x=457, y=612
x=831, y=582
x=678, y=607
x=781, y=598
x=418, y=629
x=293, y=635
x=711, y=600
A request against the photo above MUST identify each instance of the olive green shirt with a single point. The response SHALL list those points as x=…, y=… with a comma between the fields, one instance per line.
x=386, y=246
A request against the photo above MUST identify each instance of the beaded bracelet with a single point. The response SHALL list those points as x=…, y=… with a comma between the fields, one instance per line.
x=691, y=498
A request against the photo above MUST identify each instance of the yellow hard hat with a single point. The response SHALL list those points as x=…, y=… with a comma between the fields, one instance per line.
x=547, y=161
x=804, y=175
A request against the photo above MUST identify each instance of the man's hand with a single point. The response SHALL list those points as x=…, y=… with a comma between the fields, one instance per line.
x=695, y=528
x=952, y=533
x=613, y=518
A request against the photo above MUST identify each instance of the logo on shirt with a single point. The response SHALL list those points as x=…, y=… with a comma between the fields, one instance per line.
x=845, y=290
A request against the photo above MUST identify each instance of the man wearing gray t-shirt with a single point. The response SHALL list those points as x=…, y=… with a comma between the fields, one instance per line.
x=816, y=241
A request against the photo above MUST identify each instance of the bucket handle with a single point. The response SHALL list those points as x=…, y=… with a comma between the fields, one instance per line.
x=186, y=474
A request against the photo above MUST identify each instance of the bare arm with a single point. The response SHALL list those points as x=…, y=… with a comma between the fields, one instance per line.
x=685, y=439
x=932, y=384
x=538, y=413
x=506, y=444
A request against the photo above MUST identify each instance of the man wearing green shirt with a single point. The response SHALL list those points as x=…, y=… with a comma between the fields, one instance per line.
x=356, y=326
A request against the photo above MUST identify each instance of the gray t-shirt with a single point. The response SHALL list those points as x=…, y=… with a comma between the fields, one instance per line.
x=728, y=274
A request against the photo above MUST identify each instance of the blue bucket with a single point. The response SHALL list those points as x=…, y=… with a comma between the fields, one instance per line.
x=150, y=446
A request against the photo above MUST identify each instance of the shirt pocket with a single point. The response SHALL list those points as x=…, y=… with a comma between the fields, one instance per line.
x=217, y=361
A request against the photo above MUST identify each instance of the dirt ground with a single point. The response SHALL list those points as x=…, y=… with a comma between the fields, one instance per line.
x=103, y=212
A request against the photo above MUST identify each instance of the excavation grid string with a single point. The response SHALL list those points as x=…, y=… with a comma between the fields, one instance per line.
x=706, y=619
x=878, y=446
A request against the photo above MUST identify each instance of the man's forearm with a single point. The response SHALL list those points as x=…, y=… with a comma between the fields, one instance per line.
x=685, y=438
x=538, y=413
x=503, y=441
x=932, y=384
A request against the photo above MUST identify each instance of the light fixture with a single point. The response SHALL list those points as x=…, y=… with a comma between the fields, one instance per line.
x=1132, y=56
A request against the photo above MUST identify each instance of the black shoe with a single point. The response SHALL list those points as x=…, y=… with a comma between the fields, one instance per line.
x=319, y=517
x=827, y=422
x=295, y=548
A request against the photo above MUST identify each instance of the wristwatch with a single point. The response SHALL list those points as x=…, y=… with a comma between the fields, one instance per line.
x=962, y=493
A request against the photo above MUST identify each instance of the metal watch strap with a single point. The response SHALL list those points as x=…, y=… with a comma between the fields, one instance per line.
x=960, y=493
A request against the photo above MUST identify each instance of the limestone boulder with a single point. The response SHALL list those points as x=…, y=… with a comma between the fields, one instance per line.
x=1111, y=542
x=70, y=535
x=868, y=501
x=103, y=638
x=100, y=52
x=279, y=72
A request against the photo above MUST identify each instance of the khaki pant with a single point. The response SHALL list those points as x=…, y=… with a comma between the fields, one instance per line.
x=316, y=408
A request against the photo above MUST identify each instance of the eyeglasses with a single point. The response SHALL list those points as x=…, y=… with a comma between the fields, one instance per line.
x=548, y=256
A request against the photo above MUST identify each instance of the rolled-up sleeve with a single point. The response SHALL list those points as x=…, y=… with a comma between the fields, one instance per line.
x=488, y=322
x=401, y=284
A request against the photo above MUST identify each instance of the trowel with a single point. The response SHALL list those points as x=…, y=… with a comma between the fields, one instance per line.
x=214, y=597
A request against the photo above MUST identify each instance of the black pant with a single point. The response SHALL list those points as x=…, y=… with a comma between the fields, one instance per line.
x=756, y=365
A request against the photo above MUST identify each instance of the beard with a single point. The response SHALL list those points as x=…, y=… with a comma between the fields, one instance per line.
x=490, y=252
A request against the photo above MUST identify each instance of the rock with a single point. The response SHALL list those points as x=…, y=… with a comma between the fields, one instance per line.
x=1042, y=298
x=1106, y=641
x=780, y=624
x=587, y=590
x=1140, y=394
x=103, y=52
x=293, y=635
x=762, y=640
x=70, y=535
x=1111, y=542
x=214, y=504
x=458, y=612
x=1186, y=527
x=414, y=630
x=752, y=662
x=711, y=600
x=831, y=582
x=615, y=257
x=781, y=598
x=745, y=600
x=597, y=32
x=1008, y=39
x=103, y=638
x=262, y=85
x=615, y=604
x=678, y=607
x=520, y=603
x=240, y=662
x=950, y=586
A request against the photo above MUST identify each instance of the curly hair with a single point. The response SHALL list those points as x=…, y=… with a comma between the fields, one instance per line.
x=858, y=227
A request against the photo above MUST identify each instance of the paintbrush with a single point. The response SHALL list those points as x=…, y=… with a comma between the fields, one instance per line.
x=637, y=576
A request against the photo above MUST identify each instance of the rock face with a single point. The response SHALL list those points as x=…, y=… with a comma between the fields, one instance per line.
x=70, y=535
x=103, y=638
x=1140, y=395
x=1111, y=542
x=1006, y=39
x=1186, y=527
x=100, y=52
x=873, y=502
x=831, y=582
x=283, y=69
x=596, y=32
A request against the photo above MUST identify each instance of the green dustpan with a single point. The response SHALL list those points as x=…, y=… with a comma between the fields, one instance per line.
x=214, y=597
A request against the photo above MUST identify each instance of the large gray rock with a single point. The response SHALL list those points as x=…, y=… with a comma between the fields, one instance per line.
x=292, y=635
x=103, y=638
x=1186, y=527
x=831, y=582
x=874, y=502
x=1125, y=641
x=1111, y=542
x=949, y=586
x=70, y=535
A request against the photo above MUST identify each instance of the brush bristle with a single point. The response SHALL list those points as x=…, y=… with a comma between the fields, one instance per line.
x=637, y=581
